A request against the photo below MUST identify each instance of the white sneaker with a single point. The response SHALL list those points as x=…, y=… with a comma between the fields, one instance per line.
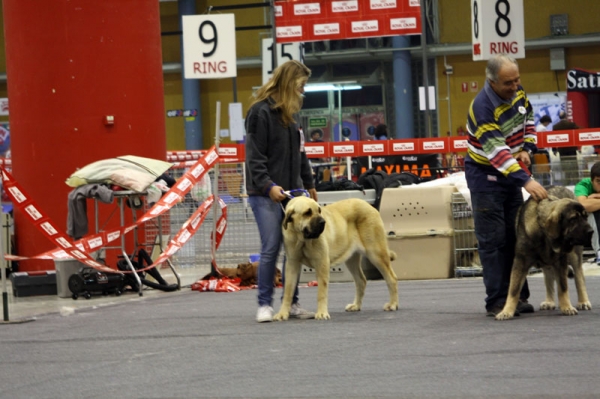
x=264, y=314
x=598, y=258
x=297, y=312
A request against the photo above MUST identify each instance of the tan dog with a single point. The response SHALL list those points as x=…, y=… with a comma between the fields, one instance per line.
x=550, y=235
x=246, y=272
x=321, y=237
x=229, y=272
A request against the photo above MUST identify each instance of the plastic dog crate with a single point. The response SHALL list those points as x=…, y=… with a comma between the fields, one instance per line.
x=418, y=224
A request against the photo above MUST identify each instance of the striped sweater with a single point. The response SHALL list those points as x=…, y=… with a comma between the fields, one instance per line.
x=498, y=130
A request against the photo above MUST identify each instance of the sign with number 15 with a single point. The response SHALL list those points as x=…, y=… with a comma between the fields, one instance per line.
x=497, y=27
x=209, y=46
x=285, y=52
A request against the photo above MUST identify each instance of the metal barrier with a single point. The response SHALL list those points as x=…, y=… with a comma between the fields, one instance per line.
x=466, y=258
x=241, y=238
x=564, y=171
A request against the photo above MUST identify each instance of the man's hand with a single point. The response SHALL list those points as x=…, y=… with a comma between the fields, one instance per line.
x=524, y=157
x=537, y=191
x=276, y=194
x=313, y=193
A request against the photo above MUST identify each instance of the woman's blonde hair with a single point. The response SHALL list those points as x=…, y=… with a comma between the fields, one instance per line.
x=284, y=87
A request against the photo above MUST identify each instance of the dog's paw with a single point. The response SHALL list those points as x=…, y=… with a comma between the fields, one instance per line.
x=568, y=311
x=322, y=316
x=584, y=306
x=281, y=316
x=352, y=307
x=390, y=307
x=504, y=315
x=547, y=305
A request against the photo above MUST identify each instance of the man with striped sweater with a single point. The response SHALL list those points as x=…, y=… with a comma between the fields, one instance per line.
x=501, y=141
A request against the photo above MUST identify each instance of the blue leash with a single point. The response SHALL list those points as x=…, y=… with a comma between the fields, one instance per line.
x=297, y=192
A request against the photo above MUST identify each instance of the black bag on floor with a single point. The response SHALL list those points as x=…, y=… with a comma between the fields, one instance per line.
x=379, y=179
x=144, y=260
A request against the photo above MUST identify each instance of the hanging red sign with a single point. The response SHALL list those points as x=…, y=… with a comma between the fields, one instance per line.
x=315, y=20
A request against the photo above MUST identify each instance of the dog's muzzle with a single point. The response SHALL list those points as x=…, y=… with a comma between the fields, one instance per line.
x=582, y=236
x=587, y=241
x=314, y=229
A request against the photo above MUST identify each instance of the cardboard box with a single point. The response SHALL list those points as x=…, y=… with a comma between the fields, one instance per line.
x=33, y=283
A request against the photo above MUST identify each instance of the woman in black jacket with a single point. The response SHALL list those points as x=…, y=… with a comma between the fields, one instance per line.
x=275, y=162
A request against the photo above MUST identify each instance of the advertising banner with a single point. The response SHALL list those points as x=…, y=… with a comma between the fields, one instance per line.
x=315, y=20
x=424, y=166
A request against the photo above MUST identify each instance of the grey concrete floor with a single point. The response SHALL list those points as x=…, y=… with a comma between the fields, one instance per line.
x=190, y=345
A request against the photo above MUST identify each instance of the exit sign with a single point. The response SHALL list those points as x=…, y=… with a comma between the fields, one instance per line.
x=317, y=122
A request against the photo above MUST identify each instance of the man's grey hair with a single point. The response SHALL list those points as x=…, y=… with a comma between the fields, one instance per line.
x=495, y=63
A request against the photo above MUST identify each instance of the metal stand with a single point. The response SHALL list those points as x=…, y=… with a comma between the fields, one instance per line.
x=121, y=197
x=160, y=246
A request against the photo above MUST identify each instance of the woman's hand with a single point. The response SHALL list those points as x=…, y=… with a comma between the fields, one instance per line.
x=276, y=194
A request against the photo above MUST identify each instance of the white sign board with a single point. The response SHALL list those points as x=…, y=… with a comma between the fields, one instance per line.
x=236, y=122
x=3, y=106
x=285, y=52
x=209, y=46
x=497, y=27
x=430, y=95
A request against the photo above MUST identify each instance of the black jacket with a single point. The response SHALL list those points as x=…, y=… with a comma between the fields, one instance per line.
x=565, y=124
x=273, y=153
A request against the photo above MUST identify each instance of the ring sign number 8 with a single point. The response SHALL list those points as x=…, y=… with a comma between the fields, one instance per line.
x=497, y=27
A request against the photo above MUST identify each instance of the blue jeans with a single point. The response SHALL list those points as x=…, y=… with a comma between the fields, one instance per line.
x=268, y=216
x=494, y=214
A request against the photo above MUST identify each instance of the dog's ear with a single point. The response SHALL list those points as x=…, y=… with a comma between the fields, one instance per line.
x=288, y=218
x=552, y=223
x=242, y=270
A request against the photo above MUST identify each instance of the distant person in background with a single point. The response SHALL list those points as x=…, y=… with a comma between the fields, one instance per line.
x=565, y=124
x=381, y=132
x=587, y=192
x=568, y=160
x=316, y=136
x=542, y=126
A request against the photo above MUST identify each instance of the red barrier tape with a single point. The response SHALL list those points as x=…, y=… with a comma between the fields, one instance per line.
x=81, y=249
x=25, y=203
x=189, y=228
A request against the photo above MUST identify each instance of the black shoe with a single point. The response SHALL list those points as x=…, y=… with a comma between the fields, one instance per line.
x=524, y=307
x=494, y=310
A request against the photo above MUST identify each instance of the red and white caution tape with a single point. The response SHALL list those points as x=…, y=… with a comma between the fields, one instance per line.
x=81, y=249
x=33, y=212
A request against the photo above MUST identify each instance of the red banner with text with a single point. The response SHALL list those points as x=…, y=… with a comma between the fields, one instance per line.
x=314, y=20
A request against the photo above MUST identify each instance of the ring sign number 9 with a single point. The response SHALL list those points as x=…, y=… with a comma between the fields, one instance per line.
x=209, y=46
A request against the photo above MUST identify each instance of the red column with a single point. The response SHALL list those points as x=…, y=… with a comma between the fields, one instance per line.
x=69, y=64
